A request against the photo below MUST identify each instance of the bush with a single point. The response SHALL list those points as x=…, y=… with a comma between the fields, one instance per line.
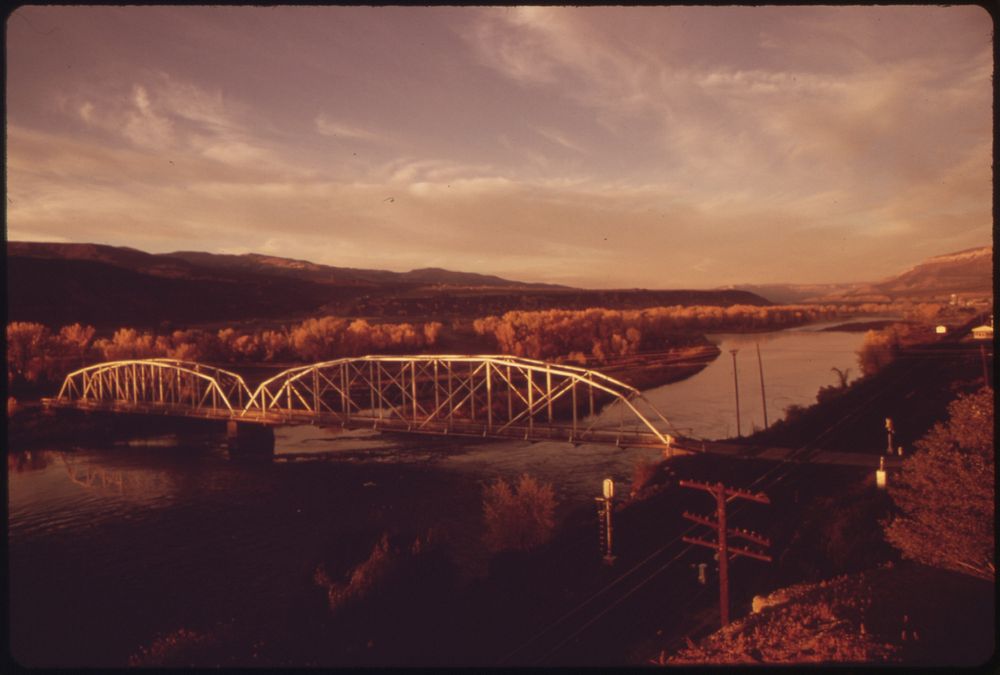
x=364, y=579
x=520, y=519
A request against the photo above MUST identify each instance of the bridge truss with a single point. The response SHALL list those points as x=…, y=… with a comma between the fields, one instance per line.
x=485, y=395
x=157, y=385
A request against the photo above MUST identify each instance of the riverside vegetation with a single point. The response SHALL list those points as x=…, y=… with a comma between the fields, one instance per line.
x=38, y=356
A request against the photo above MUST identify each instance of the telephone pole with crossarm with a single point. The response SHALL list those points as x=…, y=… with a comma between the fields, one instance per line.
x=724, y=549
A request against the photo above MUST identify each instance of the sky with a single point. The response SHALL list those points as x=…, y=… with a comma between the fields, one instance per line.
x=601, y=147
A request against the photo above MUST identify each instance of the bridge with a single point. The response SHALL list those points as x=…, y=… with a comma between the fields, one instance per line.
x=492, y=396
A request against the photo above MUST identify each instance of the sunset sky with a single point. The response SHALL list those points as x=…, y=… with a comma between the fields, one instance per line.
x=599, y=147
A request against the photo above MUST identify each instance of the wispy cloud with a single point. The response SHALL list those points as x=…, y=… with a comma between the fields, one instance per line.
x=329, y=127
x=165, y=115
x=559, y=138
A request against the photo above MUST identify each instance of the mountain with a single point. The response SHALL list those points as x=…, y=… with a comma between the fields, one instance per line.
x=964, y=273
x=436, y=275
x=106, y=286
x=791, y=294
x=351, y=276
x=968, y=271
x=198, y=264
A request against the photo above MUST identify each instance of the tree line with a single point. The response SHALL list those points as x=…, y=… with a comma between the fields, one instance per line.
x=37, y=355
x=601, y=333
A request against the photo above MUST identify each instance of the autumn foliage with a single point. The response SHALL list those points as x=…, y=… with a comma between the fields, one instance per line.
x=601, y=333
x=945, y=493
x=36, y=355
x=520, y=517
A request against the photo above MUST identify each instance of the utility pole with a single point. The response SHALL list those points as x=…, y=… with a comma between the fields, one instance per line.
x=763, y=398
x=724, y=550
x=736, y=385
x=986, y=376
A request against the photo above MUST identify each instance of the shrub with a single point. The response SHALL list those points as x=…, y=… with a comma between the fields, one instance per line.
x=364, y=579
x=518, y=519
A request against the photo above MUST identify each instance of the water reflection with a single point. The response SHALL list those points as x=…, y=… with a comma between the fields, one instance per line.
x=143, y=484
x=29, y=460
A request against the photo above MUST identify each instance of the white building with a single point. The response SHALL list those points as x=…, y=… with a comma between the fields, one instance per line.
x=983, y=332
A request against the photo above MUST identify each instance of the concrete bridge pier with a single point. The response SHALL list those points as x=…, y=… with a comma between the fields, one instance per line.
x=249, y=438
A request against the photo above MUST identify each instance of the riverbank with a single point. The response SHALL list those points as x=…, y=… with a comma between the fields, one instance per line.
x=913, y=390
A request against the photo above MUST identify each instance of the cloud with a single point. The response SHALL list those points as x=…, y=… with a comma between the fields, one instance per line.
x=559, y=138
x=163, y=114
x=563, y=49
x=792, y=122
x=329, y=127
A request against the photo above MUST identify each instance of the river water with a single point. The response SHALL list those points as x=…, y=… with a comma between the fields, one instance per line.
x=795, y=364
x=113, y=544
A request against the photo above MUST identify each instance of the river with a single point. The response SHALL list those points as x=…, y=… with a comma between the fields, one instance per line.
x=111, y=545
x=795, y=362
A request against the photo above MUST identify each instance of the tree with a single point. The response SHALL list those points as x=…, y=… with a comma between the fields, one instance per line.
x=128, y=343
x=832, y=391
x=26, y=346
x=842, y=376
x=944, y=495
x=77, y=337
x=521, y=519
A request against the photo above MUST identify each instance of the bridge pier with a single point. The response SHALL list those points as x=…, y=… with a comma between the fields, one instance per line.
x=246, y=438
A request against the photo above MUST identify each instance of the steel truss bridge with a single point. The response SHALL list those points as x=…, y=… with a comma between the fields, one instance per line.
x=487, y=395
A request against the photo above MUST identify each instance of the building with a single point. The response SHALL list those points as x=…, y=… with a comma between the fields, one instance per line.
x=983, y=332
